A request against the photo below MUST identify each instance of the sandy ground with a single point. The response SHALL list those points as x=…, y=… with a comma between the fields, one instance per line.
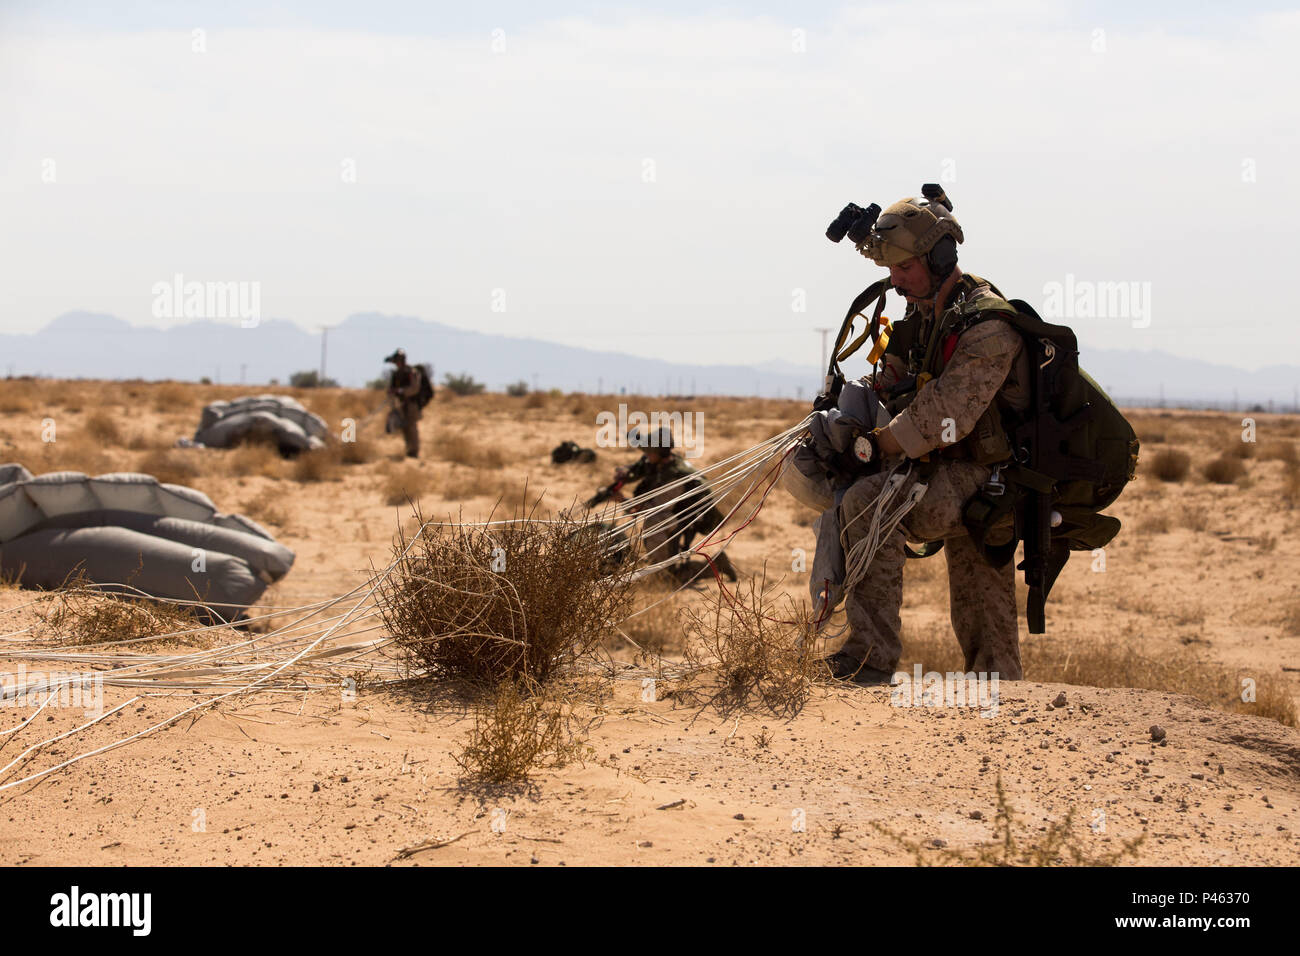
x=316, y=779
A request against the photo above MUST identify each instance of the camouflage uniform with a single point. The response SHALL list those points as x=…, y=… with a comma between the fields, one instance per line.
x=404, y=386
x=674, y=531
x=982, y=365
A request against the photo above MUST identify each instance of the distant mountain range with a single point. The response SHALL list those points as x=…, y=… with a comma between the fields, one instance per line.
x=90, y=345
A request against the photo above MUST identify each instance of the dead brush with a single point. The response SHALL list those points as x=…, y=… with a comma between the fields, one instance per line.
x=460, y=449
x=749, y=651
x=103, y=428
x=1291, y=485
x=250, y=458
x=84, y=615
x=321, y=464
x=518, y=731
x=407, y=483
x=1112, y=663
x=1170, y=464
x=357, y=452
x=1283, y=451
x=267, y=507
x=1225, y=469
x=167, y=396
x=170, y=466
x=1055, y=845
x=525, y=599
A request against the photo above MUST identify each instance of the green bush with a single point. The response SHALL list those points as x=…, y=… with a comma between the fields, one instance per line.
x=462, y=384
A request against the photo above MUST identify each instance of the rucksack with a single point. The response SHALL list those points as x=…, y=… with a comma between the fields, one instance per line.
x=425, y=395
x=1073, y=452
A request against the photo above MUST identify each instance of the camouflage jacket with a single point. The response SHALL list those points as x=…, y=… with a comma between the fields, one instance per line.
x=405, y=382
x=977, y=366
x=650, y=477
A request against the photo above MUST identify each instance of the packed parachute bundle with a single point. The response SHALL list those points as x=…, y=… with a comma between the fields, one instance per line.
x=278, y=419
x=130, y=533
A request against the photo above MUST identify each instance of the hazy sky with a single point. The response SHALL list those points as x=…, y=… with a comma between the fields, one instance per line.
x=650, y=179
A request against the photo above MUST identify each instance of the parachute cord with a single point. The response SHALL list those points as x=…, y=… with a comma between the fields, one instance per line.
x=858, y=557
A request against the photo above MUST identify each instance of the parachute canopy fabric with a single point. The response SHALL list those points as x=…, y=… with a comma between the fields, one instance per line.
x=276, y=418
x=131, y=532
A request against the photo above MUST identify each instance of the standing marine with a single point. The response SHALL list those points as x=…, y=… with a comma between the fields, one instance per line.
x=406, y=388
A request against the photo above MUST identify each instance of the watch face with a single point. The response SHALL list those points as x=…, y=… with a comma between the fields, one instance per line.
x=862, y=449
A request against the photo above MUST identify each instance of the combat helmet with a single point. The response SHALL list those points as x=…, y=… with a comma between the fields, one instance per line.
x=911, y=228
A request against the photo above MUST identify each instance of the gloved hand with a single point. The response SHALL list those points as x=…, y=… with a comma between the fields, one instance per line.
x=830, y=399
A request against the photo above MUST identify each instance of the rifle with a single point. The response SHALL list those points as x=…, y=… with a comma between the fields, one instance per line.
x=609, y=492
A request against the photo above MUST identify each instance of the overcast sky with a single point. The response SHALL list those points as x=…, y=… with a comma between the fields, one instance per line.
x=650, y=179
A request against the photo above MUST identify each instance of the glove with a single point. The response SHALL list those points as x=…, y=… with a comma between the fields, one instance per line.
x=830, y=399
x=862, y=457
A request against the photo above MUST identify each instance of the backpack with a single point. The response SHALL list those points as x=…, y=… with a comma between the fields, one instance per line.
x=1073, y=452
x=425, y=395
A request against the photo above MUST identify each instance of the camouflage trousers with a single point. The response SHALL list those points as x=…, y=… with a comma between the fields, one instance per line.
x=982, y=599
x=411, y=413
x=665, y=536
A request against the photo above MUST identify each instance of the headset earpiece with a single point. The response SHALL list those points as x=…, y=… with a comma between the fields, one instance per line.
x=942, y=257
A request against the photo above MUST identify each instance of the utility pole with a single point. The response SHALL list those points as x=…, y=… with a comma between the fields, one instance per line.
x=243, y=368
x=825, y=358
x=324, y=334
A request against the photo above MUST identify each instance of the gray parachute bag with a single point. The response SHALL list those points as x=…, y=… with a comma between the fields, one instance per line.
x=130, y=533
x=277, y=419
x=813, y=478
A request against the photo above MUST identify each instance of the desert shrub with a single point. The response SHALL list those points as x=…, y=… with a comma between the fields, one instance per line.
x=311, y=379
x=103, y=427
x=1278, y=451
x=321, y=464
x=536, y=400
x=172, y=466
x=520, y=601
x=254, y=458
x=1240, y=449
x=356, y=452
x=1223, y=470
x=749, y=651
x=517, y=389
x=267, y=507
x=404, y=484
x=516, y=733
x=1170, y=464
x=1017, y=844
x=81, y=614
x=462, y=384
x=459, y=448
x=1154, y=524
x=170, y=396
x=1291, y=486
x=1117, y=663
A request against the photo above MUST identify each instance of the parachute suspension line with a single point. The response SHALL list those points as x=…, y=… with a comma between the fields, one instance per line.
x=883, y=523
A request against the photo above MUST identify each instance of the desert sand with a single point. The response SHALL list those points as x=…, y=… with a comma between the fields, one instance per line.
x=1202, y=572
